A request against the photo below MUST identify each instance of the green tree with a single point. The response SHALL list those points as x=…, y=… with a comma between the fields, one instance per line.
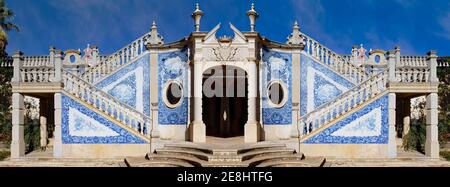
x=6, y=25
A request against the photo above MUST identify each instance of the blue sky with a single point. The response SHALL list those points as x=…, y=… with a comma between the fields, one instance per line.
x=417, y=26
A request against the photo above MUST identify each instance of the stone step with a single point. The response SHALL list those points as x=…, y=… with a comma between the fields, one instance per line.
x=156, y=162
x=188, y=147
x=263, y=146
x=289, y=162
x=186, y=152
x=189, y=159
x=225, y=164
x=258, y=153
x=260, y=159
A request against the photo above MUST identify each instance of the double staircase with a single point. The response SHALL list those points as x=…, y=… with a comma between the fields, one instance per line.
x=42, y=69
x=198, y=155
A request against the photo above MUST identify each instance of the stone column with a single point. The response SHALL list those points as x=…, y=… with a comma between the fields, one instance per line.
x=154, y=91
x=251, y=129
x=43, y=116
x=432, y=64
x=198, y=128
x=391, y=58
x=17, y=142
x=57, y=144
x=406, y=116
x=295, y=93
x=432, y=142
x=392, y=144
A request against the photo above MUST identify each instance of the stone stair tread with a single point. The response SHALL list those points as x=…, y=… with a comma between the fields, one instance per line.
x=306, y=162
x=258, y=160
x=142, y=162
x=188, y=146
x=189, y=159
x=198, y=154
x=263, y=152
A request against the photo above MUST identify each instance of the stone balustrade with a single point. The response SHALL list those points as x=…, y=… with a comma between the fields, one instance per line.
x=7, y=62
x=116, y=60
x=337, y=62
x=443, y=64
x=106, y=103
x=38, y=74
x=36, y=61
x=412, y=74
x=343, y=103
x=413, y=61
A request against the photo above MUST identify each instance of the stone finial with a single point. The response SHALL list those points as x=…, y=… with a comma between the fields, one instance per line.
x=432, y=53
x=295, y=38
x=252, y=15
x=197, y=15
x=18, y=54
x=155, y=38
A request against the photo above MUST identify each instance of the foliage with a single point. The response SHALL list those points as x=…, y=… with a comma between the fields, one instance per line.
x=415, y=139
x=445, y=154
x=4, y=154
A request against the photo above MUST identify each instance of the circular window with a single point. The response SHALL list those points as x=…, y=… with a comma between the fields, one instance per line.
x=72, y=58
x=377, y=59
x=173, y=94
x=277, y=93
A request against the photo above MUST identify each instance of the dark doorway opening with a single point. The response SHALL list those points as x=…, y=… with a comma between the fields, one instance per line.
x=225, y=112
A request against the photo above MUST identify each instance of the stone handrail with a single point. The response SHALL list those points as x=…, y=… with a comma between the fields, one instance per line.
x=343, y=103
x=412, y=74
x=333, y=60
x=36, y=61
x=106, y=103
x=6, y=62
x=108, y=64
x=37, y=74
x=413, y=61
x=443, y=64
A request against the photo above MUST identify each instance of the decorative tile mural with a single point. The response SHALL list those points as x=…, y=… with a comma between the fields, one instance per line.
x=81, y=125
x=276, y=66
x=173, y=66
x=131, y=84
x=318, y=84
x=368, y=125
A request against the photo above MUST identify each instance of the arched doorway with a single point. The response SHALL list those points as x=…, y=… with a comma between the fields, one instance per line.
x=225, y=101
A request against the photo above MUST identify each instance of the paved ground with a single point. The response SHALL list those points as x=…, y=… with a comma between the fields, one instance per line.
x=405, y=158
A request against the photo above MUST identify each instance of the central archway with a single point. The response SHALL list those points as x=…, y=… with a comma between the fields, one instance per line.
x=225, y=101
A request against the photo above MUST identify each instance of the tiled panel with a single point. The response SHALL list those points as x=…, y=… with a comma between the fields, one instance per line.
x=80, y=125
x=276, y=66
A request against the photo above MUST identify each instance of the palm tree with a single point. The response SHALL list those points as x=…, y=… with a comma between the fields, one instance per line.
x=6, y=24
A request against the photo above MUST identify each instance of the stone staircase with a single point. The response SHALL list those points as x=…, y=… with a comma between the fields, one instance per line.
x=257, y=155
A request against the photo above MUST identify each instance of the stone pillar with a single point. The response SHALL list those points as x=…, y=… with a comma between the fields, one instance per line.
x=432, y=142
x=391, y=66
x=295, y=93
x=17, y=65
x=57, y=144
x=432, y=64
x=252, y=128
x=392, y=144
x=154, y=91
x=17, y=142
x=58, y=66
x=406, y=116
x=198, y=128
x=43, y=116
